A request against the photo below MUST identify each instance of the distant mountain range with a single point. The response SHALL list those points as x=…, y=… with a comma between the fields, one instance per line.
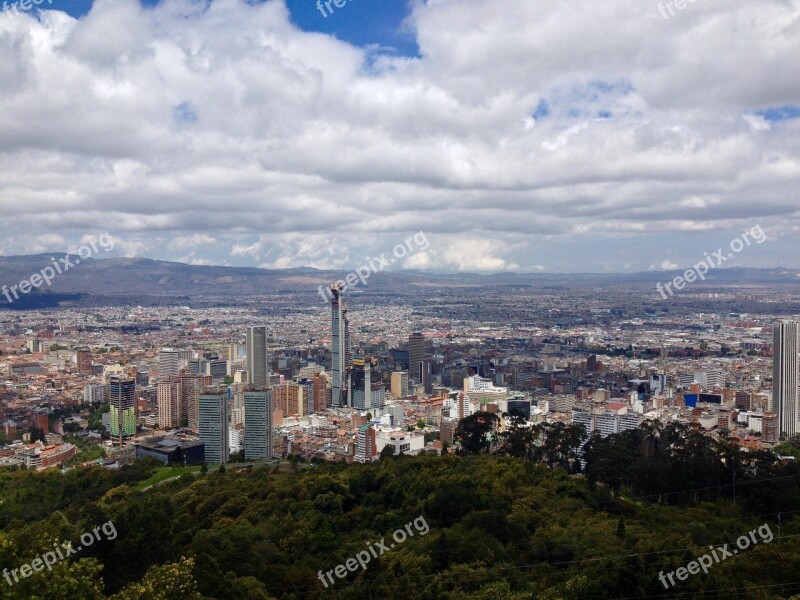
x=143, y=277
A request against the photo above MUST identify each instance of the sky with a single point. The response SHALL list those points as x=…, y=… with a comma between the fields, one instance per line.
x=522, y=135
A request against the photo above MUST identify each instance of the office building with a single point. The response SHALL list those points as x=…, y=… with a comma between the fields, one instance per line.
x=213, y=426
x=168, y=363
x=122, y=398
x=172, y=451
x=258, y=367
x=416, y=355
x=341, y=353
x=361, y=382
x=785, y=367
x=258, y=424
x=520, y=407
x=399, y=384
x=217, y=370
x=744, y=400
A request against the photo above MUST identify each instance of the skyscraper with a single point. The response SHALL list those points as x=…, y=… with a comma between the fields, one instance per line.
x=367, y=389
x=168, y=363
x=122, y=411
x=341, y=354
x=258, y=424
x=257, y=356
x=416, y=354
x=214, y=427
x=785, y=367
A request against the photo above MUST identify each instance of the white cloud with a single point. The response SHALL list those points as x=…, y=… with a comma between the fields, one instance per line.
x=201, y=126
x=668, y=265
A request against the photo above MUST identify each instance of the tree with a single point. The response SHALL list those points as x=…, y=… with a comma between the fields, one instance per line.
x=164, y=582
x=517, y=440
x=476, y=432
x=388, y=450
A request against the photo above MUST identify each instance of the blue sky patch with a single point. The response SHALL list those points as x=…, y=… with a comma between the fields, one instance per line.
x=782, y=113
x=363, y=23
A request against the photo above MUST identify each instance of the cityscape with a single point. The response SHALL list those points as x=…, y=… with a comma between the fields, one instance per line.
x=400, y=299
x=201, y=385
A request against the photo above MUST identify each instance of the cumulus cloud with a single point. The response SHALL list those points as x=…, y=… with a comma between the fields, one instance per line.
x=222, y=133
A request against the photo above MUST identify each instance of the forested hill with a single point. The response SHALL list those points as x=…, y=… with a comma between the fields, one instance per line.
x=498, y=528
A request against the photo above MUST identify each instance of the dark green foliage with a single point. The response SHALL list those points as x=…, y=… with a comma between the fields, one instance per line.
x=500, y=527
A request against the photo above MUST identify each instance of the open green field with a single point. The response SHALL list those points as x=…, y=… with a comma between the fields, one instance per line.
x=164, y=473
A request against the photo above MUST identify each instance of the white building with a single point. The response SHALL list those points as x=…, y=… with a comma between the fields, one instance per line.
x=479, y=384
x=403, y=442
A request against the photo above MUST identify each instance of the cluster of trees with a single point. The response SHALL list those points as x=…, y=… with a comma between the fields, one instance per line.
x=506, y=526
x=673, y=464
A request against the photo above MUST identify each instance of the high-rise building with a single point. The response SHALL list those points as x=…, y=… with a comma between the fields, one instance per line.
x=321, y=391
x=258, y=424
x=257, y=356
x=190, y=388
x=425, y=376
x=213, y=427
x=416, y=355
x=361, y=382
x=168, y=363
x=217, y=369
x=400, y=384
x=95, y=393
x=744, y=400
x=84, y=360
x=122, y=398
x=770, y=433
x=168, y=399
x=366, y=445
x=341, y=353
x=785, y=367
x=289, y=398
x=177, y=400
